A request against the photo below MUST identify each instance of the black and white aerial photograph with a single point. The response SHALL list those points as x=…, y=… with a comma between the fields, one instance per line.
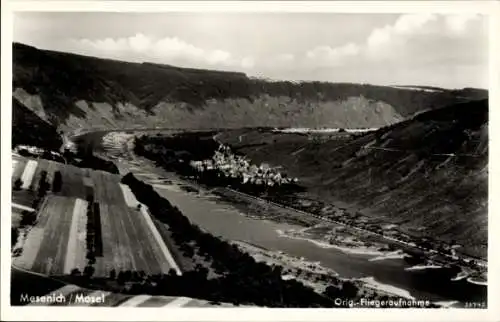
x=249, y=160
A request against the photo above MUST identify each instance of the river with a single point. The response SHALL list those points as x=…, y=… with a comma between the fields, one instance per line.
x=222, y=219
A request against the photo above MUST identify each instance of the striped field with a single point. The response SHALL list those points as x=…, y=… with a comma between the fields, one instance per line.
x=56, y=244
x=28, y=173
x=18, y=165
x=76, y=249
x=129, y=196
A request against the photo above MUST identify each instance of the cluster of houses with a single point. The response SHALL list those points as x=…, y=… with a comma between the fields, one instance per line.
x=233, y=166
x=30, y=149
x=33, y=151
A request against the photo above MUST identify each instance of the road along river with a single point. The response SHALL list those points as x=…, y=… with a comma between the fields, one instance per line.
x=222, y=219
x=225, y=220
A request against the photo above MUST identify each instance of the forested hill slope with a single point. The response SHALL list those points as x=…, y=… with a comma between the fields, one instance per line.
x=429, y=174
x=72, y=91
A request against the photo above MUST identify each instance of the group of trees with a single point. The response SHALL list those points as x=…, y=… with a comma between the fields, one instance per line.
x=348, y=290
x=84, y=158
x=43, y=184
x=14, y=234
x=43, y=188
x=96, y=163
x=87, y=273
x=94, y=234
x=17, y=184
x=93, y=238
x=57, y=182
x=190, y=145
x=239, y=278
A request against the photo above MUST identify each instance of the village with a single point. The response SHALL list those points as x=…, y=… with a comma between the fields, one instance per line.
x=234, y=166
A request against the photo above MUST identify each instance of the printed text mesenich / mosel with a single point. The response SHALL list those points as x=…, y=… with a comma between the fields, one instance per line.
x=60, y=298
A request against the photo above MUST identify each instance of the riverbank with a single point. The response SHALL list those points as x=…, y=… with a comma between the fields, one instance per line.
x=421, y=267
x=300, y=269
x=316, y=276
x=222, y=219
x=477, y=281
x=359, y=250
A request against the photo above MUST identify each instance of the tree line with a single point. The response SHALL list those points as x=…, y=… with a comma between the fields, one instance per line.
x=59, y=78
x=238, y=278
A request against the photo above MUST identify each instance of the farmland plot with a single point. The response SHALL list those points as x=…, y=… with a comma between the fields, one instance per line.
x=162, y=247
x=16, y=216
x=128, y=243
x=14, y=163
x=72, y=181
x=48, y=166
x=185, y=264
x=129, y=196
x=76, y=249
x=87, y=182
x=43, y=165
x=128, y=240
x=29, y=171
x=107, y=189
x=23, y=197
x=116, y=245
x=55, y=220
x=19, y=169
x=32, y=243
x=125, y=237
x=52, y=167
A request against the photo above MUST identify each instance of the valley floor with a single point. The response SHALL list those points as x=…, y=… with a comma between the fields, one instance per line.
x=309, y=273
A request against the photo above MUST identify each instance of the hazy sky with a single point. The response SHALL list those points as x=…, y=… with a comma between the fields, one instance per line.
x=449, y=51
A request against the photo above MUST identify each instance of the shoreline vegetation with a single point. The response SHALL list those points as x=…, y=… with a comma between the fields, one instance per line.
x=385, y=251
x=285, y=272
x=310, y=273
x=365, y=285
x=359, y=250
x=175, y=153
x=378, y=254
x=243, y=280
x=181, y=285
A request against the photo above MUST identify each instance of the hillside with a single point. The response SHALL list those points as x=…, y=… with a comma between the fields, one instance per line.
x=429, y=174
x=99, y=231
x=30, y=129
x=72, y=91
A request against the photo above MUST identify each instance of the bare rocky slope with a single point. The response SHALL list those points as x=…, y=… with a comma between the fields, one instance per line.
x=429, y=174
x=73, y=92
